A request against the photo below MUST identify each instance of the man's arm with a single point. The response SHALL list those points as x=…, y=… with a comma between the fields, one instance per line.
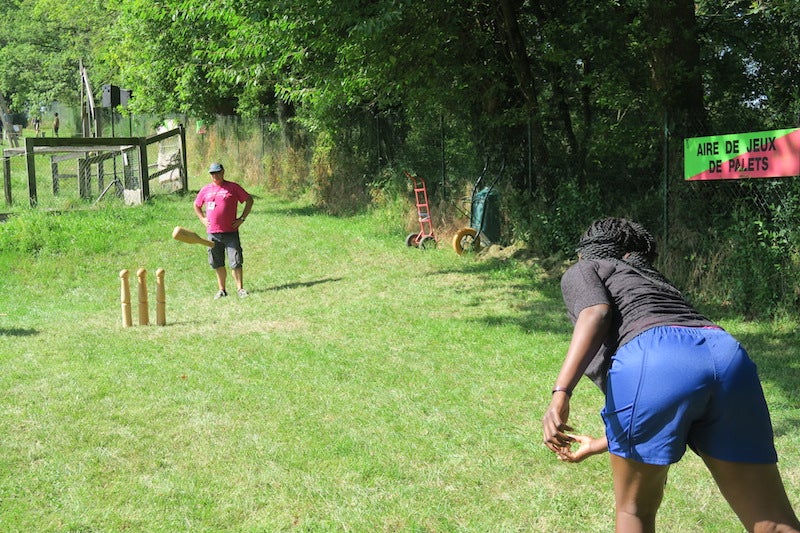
x=199, y=212
x=248, y=205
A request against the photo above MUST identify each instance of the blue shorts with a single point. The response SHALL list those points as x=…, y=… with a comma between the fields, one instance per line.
x=225, y=242
x=673, y=386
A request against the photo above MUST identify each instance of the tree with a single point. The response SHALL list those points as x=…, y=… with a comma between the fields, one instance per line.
x=41, y=45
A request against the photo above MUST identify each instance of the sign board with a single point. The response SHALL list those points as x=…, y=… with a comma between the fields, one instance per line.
x=762, y=154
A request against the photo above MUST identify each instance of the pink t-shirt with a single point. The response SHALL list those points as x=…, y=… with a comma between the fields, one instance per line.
x=221, y=203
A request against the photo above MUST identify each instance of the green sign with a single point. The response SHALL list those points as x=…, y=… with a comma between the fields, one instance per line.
x=763, y=154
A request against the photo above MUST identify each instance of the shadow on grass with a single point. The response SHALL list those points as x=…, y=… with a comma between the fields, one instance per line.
x=777, y=357
x=541, y=319
x=304, y=211
x=301, y=284
x=18, y=332
x=547, y=314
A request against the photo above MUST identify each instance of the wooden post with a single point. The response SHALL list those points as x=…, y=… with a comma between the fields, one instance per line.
x=84, y=178
x=125, y=299
x=161, y=299
x=31, y=167
x=184, y=168
x=54, y=173
x=7, y=177
x=144, y=172
x=144, y=314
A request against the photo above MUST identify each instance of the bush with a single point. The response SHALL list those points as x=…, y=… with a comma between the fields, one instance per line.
x=553, y=227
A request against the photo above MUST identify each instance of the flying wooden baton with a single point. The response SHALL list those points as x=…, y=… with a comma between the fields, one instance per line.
x=185, y=235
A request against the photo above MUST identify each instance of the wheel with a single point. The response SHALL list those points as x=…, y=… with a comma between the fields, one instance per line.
x=466, y=240
x=411, y=239
x=427, y=242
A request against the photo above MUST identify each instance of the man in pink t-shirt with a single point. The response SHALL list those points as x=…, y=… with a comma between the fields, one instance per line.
x=216, y=206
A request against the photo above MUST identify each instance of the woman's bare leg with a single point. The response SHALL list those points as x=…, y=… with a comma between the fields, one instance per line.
x=756, y=494
x=638, y=491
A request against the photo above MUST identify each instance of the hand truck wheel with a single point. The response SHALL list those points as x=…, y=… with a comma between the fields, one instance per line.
x=427, y=242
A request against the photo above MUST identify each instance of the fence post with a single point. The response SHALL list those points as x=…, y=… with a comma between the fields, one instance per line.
x=31, y=167
x=144, y=173
x=7, y=178
x=184, y=168
x=84, y=178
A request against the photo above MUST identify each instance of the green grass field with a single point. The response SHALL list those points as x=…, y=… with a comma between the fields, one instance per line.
x=363, y=386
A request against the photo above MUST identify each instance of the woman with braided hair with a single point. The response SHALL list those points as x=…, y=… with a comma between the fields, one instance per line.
x=672, y=379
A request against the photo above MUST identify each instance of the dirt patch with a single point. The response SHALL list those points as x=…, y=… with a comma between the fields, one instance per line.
x=553, y=267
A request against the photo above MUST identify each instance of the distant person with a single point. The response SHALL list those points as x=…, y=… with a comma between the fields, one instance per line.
x=216, y=206
x=56, y=125
x=37, y=125
x=672, y=379
x=16, y=132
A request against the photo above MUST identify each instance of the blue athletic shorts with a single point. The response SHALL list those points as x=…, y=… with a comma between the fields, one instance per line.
x=674, y=386
x=225, y=242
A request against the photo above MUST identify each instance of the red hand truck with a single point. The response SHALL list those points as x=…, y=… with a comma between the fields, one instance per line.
x=425, y=238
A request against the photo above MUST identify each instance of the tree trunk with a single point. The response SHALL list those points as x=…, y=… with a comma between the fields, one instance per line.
x=675, y=64
x=521, y=64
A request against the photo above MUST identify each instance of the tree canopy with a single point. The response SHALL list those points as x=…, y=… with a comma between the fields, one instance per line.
x=590, y=89
x=579, y=73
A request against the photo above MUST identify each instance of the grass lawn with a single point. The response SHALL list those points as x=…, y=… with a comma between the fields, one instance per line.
x=363, y=386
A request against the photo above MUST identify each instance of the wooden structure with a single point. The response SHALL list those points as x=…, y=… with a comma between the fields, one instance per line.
x=95, y=151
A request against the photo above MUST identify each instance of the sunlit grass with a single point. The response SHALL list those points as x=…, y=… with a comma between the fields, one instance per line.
x=363, y=386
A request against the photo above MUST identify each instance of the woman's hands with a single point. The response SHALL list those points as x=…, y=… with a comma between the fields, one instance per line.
x=591, y=328
x=554, y=423
x=588, y=446
x=559, y=439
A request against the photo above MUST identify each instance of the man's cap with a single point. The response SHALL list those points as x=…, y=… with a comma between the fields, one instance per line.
x=215, y=167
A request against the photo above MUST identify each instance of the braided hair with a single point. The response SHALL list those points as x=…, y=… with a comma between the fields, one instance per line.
x=620, y=239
